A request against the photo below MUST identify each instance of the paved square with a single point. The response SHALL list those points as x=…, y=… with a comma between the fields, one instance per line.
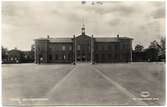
x=84, y=84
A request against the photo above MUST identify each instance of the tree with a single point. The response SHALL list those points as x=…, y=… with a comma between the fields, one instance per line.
x=155, y=45
x=161, y=53
x=139, y=48
x=162, y=43
x=4, y=53
x=151, y=53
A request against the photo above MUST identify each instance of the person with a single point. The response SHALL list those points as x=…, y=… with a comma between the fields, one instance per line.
x=41, y=60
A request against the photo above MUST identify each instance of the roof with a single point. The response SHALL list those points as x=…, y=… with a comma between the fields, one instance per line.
x=111, y=39
x=126, y=38
x=60, y=40
x=56, y=40
x=83, y=36
x=97, y=39
x=41, y=39
x=106, y=39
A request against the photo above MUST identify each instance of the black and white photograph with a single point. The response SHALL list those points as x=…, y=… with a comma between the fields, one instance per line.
x=83, y=53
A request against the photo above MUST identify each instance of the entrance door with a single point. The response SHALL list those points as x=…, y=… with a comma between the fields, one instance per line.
x=83, y=58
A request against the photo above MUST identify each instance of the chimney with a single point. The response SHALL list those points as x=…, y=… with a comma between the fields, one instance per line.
x=118, y=36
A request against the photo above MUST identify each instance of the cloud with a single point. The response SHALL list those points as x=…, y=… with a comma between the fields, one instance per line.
x=115, y=8
x=24, y=21
x=114, y=22
x=158, y=3
x=124, y=10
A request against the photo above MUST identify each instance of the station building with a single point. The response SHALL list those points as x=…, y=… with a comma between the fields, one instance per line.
x=83, y=48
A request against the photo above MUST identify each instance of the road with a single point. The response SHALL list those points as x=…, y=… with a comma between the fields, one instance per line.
x=81, y=84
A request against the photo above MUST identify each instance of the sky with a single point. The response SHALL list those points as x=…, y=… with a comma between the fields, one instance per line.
x=22, y=22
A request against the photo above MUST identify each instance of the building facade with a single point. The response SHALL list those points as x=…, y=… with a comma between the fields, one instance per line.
x=17, y=56
x=83, y=48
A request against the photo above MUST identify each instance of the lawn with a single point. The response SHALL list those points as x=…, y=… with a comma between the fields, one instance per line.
x=34, y=81
x=139, y=77
x=30, y=80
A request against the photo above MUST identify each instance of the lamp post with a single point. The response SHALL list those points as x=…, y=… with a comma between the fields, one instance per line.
x=74, y=50
x=92, y=50
x=131, y=57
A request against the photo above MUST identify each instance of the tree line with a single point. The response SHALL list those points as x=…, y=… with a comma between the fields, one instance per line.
x=154, y=52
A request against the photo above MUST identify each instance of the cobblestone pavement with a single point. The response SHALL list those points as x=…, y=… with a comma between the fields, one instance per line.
x=83, y=84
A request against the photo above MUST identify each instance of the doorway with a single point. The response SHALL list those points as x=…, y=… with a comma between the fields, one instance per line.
x=83, y=57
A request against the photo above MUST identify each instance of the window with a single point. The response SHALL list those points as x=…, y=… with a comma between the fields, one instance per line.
x=109, y=47
x=50, y=57
x=100, y=47
x=55, y=48
x=70, y=48
x=116, y=56
x=109, y=56
x=105, y=47
x=63, y=48
x=56, y=56
x=115, y=47
x=64, y=56
x=124, y=46
x=103, y=56
x=78, y=47
x=69, y=56
x=97, y=47
x=50, y=49
x=60, y=56
x=97, y=56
